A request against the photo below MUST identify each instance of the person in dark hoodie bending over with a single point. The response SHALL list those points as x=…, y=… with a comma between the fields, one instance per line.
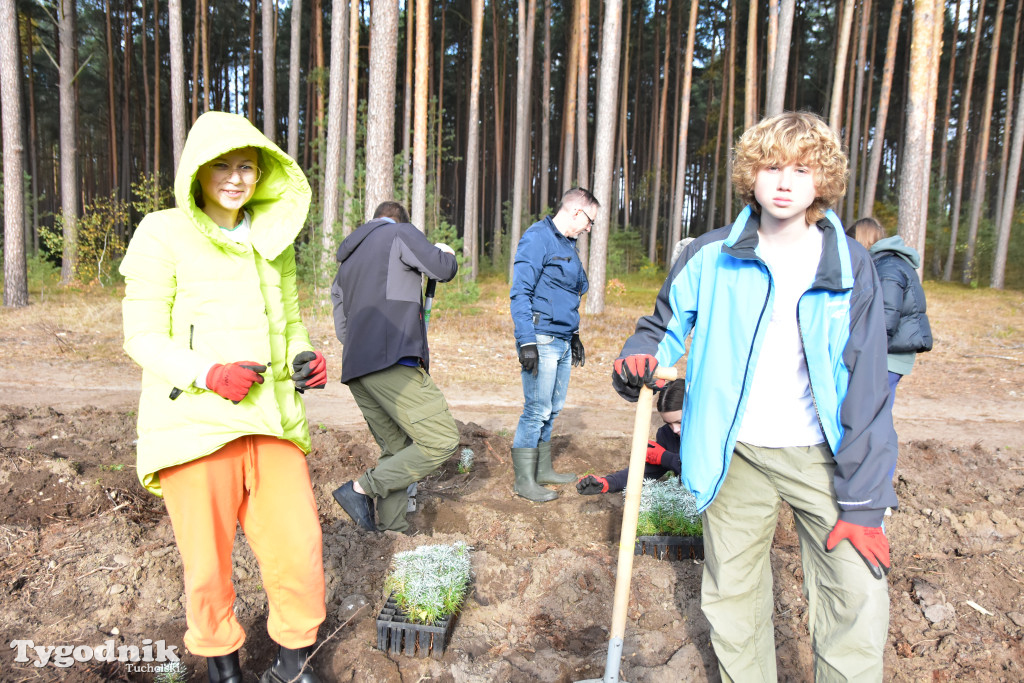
x=378, y=317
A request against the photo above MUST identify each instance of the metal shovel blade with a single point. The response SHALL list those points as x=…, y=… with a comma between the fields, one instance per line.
x=627, y=537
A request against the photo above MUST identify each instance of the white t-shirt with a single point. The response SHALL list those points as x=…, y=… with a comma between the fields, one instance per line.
x=780, y=410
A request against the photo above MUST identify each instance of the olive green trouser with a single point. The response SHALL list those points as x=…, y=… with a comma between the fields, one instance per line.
x=409, y=419
x=847, y=608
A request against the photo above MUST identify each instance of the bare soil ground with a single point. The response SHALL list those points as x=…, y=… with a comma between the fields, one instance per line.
x=87, y=556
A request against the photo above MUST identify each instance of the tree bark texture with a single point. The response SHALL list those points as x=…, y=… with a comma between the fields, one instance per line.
x=867, y=203
x=420, y=106
x=15, y=267
x=294, y=58
x=68, y=140
x=604, y=151
x=471, y=225
x=380, y=118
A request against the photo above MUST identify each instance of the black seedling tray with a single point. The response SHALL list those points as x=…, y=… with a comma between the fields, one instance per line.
x=670, y=547
x=397, y=635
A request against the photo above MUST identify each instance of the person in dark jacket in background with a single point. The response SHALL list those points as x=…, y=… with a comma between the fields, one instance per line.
x=662, y=453
x=378, y=317
x=906, y=318
x=548, y=281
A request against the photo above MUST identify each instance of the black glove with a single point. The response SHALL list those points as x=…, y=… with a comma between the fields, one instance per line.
x=591, y=485
x=579, y=356
x=528, y=357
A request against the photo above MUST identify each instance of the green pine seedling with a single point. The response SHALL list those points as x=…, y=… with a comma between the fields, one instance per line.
x=465, y=460
x=667, y=508
x=430, y=582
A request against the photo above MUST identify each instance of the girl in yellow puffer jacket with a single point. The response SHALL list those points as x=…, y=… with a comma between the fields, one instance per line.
x=211, y=315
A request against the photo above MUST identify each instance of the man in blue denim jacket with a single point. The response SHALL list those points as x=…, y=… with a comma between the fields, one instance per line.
x=547, y=283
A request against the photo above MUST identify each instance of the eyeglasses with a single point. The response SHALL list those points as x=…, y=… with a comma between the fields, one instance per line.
x=249, y=174
x=589, y=219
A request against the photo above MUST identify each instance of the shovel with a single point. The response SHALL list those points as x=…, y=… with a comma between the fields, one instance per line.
x=630, y=515
x=428, y=303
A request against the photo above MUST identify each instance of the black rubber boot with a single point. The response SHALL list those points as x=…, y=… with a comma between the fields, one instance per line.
x=545, y=473
x=524, y=462
x=288, y=664
x=224, y=668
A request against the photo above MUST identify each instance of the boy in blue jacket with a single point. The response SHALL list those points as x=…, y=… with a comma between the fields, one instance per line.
x=786, y=401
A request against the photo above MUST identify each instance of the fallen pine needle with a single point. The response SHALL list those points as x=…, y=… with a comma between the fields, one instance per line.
x=979, y=608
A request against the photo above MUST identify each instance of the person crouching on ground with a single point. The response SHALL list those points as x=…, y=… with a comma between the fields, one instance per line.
x=548, y=281
x=211, y=314
x=786, y=402
x=378, y=317
x=662, y=453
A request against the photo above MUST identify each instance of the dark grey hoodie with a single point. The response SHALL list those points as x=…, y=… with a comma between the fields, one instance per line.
x=377, y=295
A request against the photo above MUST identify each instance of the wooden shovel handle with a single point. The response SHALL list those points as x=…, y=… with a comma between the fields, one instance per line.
x=631, y=509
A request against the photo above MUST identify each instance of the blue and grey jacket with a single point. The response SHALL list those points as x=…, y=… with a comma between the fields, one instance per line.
x=722, y=292
x=547, y=283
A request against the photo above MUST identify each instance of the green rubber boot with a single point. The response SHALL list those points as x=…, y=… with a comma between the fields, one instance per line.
x=524, y=462
x=545, y=473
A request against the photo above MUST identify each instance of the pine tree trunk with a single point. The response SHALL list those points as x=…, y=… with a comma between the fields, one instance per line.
x=1004, y=148
x=867, y=203
x=624, y=121
x=351, y=119
x=780, y=70
x=981, y=166
x=1008, y=199
x=33, y=137
x=380, y=118
x=250, y=95
x=731, y=108
x=499, y=131
x=565, y=171
x=915, y=173
x=204, y=12
x=421, y=103
x=335, y=112
x=750, y=88
x=68, y=140
x=15, y=265
x=545, y=119
x=963, y=128
x=176, y=41
x=604, y=151
x=269, y=69
x=676, y=223
x=840, y=69
x=293, y=80
x=111, y=95
x=948, y=109
x=471, y=216
x=526, y=9
x=659, y=146
x=858, y=93
x=582, y=109
x=407, y=103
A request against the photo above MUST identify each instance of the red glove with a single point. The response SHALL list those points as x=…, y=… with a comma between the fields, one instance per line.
x=591, y=485
x=232, y=380
x=310, y=371
x=637, y=370
x=654, y=452
x=869, y=541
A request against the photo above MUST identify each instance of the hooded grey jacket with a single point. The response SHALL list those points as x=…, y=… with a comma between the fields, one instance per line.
x=906, y=320
x=377, y=295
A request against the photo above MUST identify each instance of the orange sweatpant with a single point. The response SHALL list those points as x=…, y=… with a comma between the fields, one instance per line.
x=263, y=483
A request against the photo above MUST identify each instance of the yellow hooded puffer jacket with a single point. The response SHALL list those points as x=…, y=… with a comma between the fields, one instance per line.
x=193, y=297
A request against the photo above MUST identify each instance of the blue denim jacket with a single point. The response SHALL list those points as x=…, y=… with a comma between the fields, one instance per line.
x=547, y=283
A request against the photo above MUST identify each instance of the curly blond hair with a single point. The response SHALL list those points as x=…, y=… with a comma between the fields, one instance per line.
x=792, y=137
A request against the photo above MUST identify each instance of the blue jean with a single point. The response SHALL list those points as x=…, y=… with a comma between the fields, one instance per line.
x=543, y=394
x=894, y=379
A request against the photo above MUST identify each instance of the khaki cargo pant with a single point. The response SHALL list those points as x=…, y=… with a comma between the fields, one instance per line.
x=847, y=608
x=410, y=420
